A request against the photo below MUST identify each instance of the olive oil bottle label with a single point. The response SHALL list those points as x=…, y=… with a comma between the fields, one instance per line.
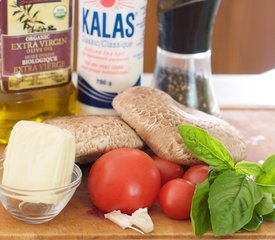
x=35, y=44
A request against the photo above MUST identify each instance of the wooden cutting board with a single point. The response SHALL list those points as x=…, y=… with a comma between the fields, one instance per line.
x=80, y=220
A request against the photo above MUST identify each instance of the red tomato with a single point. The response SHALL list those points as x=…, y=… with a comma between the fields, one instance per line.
x=196, y=174
x=123, y=179
x=168, y=170
x=175, y=198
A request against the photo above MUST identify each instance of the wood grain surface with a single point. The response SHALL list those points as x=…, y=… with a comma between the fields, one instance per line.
x=80, y=220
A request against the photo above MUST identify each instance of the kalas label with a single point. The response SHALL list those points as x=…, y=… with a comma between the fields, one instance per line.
x=118, y=4
x=98, y=23
x=108, y=3
x=110, y=50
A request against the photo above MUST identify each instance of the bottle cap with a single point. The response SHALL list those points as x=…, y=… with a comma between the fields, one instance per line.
x=186, y=27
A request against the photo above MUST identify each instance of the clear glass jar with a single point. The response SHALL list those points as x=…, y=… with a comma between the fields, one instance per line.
x=187, y=78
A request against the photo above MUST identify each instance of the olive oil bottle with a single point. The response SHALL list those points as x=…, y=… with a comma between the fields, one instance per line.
x=35, y=61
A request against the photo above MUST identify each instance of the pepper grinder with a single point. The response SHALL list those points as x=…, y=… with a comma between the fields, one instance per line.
x=183, y=64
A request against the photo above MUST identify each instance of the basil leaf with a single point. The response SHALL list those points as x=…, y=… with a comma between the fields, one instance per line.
x=268, y=174
x=213, y=174
x=248, y=168
x=265, y=206
x=205, y=147
x=232, y=199
x=200, y=216
x=270, y=216
x=267, y=188
x=254, y=223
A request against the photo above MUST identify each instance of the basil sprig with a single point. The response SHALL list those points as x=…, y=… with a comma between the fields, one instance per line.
x=235, y=197
x=205, y=147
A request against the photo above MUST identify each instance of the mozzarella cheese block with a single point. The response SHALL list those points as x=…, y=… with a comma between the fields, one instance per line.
x=38, y=157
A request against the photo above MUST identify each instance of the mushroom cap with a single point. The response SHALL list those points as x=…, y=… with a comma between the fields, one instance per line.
x=95, y=135
x=154, y=115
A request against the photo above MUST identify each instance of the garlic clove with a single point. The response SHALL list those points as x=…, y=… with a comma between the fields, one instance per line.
x=121, y=219
x=140, y=218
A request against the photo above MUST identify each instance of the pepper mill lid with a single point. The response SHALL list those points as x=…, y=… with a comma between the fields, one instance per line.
x=185, y=26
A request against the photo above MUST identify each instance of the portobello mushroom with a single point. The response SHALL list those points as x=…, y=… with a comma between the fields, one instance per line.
x=154, y=115
x=95, y=135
